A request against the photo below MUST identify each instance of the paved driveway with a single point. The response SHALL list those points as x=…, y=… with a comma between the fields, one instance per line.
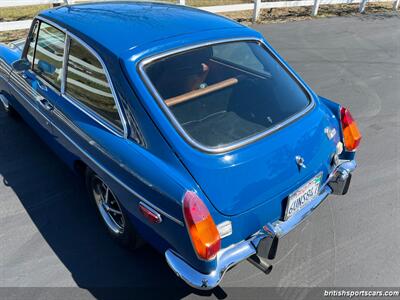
x=50, y=236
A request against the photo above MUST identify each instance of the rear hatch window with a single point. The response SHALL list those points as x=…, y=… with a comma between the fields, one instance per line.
x=226, y=93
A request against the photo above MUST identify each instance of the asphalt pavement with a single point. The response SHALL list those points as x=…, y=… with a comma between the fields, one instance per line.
x=51, y=237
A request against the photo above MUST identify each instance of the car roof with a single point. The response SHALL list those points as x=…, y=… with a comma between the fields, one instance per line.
x=120, y=26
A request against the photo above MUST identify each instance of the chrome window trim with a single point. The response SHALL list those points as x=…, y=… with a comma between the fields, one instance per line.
x=26, y=46
x=42, y=79
x=238, y=144
x=93, y=115
x=65, y=62
x=24, y=55
x=89, y=112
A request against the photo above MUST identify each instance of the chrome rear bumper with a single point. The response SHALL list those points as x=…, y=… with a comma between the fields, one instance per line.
x=337, y=183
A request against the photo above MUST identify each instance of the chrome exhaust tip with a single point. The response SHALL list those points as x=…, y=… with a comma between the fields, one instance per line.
x=260, y=263
x=340, y=182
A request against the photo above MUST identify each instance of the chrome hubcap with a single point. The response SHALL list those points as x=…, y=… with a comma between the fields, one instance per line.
x=108, y=206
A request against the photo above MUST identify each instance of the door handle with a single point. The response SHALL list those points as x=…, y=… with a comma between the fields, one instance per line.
x=46, y=104
x=41, y=86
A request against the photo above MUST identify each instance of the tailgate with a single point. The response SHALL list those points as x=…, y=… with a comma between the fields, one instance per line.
x=267, y=170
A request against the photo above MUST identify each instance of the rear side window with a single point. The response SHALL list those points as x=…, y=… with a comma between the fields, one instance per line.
x=49, y=54
x=87, y=83
x=226, y=93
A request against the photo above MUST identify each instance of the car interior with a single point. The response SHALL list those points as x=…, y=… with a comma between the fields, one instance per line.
x=215, y=101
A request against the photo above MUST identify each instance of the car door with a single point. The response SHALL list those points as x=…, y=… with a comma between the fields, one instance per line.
x=40, y=87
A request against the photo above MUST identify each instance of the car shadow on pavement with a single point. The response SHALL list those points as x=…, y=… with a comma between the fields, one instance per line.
x=55, y=201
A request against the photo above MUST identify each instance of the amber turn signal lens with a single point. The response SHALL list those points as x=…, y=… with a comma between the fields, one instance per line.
x=201, y=227
x=351, y=133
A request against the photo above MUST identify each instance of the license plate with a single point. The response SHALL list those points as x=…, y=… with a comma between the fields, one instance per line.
x=303, y=196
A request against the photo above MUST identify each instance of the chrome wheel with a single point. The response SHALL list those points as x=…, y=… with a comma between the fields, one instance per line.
x=108, y=206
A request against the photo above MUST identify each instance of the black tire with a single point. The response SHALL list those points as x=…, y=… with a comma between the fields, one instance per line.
x=122, y=231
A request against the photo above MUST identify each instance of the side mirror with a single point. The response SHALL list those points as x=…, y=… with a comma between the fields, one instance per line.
x=21, y=65
x=46, y=68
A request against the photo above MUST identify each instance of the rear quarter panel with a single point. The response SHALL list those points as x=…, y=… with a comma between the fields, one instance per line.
x=251, y=221
x=334, y=108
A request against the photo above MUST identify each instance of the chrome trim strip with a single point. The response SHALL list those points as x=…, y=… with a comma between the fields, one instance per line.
x=72, y=126
x=17, y=79
x=140, y=197
x=4, y=78
x=118, y=180
x=65, y=63
x=93, y=115
x=235, y=145
x=4, y=66
x=29, y=102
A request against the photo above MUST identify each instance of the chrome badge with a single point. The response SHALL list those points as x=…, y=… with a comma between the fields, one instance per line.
x=330, y=132
x=300, y=162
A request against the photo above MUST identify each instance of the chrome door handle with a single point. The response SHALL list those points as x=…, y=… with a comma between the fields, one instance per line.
x=41, y=86
x=46, y=104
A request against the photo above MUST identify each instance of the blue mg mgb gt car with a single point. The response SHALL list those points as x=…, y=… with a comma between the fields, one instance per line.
x=190, y=131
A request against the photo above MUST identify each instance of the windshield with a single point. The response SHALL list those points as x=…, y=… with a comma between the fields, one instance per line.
x=225, y=93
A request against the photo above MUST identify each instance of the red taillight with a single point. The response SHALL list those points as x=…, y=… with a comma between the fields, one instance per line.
x=201, y=227
x=351, y=133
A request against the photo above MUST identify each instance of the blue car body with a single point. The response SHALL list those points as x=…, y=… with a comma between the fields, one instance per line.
x=148, y=161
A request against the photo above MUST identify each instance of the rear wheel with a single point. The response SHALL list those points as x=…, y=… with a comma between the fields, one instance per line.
x=111, y=212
